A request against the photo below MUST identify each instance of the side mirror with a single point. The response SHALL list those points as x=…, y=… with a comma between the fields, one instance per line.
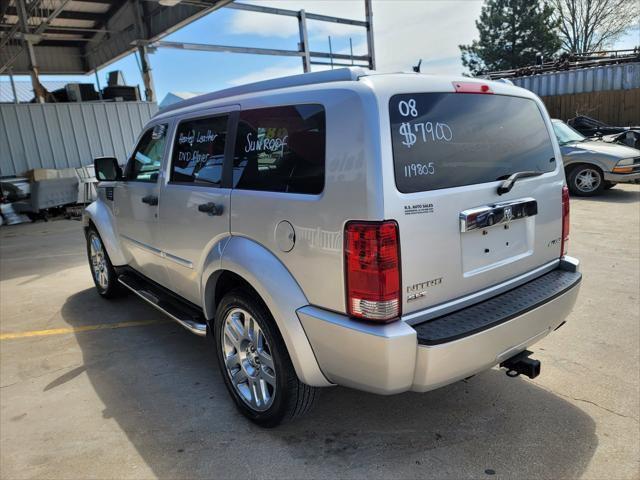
x=107, y=169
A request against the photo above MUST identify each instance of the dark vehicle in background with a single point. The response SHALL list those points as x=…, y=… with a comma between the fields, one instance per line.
x=590, y=127
x=592, y=166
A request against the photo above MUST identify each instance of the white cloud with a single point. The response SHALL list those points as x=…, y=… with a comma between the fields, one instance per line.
x=267, y=25
x=265, y=74
x=404, y=30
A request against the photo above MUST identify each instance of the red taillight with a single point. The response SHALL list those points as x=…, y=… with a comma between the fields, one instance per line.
x=471, y=87
x=565, y=221
x=372, y=263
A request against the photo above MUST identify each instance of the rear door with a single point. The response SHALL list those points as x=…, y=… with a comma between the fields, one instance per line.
x=194, y=199
x=458, y=236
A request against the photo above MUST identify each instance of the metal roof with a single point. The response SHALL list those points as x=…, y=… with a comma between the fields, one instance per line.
x=175, y=97
x=78, y=36
x=624, y=76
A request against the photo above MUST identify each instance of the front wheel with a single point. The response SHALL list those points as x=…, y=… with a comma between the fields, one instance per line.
x=586, y=181
x=104, y=276
x=255, y=364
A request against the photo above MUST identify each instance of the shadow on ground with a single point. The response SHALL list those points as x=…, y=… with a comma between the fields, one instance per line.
x=162, y=386
x=614, y=195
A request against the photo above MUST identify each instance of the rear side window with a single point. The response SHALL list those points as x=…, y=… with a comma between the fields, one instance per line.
x=443, y=140
x=198, y=151
x=281, y=149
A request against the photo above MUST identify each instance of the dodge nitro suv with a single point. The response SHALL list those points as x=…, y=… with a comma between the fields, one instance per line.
x=385, y=232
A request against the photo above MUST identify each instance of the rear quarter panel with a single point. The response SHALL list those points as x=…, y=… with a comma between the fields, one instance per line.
x=350, y=191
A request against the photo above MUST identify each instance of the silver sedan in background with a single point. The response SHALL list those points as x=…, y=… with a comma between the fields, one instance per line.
x=592, y=166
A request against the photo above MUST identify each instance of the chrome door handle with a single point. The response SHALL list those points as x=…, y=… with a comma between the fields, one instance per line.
x=150, y=200
x=210, y=208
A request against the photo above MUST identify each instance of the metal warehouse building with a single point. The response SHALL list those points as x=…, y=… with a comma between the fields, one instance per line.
x=607, y=89
x=78, y=37
x=81, y=36
x=66, y=135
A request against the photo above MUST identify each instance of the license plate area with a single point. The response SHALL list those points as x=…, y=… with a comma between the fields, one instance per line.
x=496, y=235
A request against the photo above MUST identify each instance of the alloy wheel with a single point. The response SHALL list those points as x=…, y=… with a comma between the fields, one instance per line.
x=248, y=360
x=98, y=262
x=588, y=180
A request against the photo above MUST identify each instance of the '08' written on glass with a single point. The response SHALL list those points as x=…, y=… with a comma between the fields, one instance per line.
x=426, y=131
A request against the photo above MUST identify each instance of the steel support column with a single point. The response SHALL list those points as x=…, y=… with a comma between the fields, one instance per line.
x=147, y=77
x=304, y=41
x=145, y=64
x=13, y=87
x=368, y=10
x=38, y=89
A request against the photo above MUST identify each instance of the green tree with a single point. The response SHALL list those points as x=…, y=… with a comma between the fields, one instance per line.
x=511, y=32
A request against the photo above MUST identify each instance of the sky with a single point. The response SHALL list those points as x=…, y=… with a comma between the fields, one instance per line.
x=405, y=31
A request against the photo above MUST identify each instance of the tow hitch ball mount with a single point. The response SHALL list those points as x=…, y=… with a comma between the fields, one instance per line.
x=521, y=364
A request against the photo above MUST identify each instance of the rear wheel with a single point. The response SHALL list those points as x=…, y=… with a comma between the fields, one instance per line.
x=255, y=364
x=104, y=276
x=586, y=181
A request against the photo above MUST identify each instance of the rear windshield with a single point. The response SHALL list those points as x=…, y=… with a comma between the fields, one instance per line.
x=443, y=140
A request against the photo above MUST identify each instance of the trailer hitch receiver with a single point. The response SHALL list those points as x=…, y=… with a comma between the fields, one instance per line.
x=521, y=364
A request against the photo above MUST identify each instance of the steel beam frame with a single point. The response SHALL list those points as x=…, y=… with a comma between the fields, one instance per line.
x=368, y=10
x=205, y=47
x=303, y=51
x=294, y=13
x=304, y=41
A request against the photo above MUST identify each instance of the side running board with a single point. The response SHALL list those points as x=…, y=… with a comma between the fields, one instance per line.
x=186, y=315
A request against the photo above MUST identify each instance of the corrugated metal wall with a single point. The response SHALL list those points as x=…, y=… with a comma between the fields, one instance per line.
x=63, y=135
x=595, y=79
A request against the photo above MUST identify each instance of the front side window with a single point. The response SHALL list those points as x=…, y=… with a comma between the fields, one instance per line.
x=144, y=164
x=281, y=149
x=198, y=151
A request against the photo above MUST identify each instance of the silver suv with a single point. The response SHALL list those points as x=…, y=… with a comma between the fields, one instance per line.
x=386, y=232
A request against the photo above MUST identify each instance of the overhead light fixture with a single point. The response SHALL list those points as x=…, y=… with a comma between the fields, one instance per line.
x=169, y=3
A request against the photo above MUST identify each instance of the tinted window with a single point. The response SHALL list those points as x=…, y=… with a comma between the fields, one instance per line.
x=281, y=149
x=198, y=151
x=565, y=134
x=443, y=140
x=144, y=164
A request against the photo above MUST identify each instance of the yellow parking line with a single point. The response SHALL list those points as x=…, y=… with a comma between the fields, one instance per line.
x=86, y=328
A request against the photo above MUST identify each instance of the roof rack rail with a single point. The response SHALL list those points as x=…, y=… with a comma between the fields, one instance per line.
x=326, y=76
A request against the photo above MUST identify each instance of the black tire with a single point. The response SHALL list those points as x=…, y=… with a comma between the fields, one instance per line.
x=109, y=288
x=290, y=398
x=609, y=185
x=579, y=187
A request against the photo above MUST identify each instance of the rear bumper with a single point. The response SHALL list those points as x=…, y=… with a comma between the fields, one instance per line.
x=622, y=177
x=397, y=357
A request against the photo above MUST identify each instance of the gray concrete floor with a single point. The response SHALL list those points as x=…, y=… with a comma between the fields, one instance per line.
x=147, y=401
